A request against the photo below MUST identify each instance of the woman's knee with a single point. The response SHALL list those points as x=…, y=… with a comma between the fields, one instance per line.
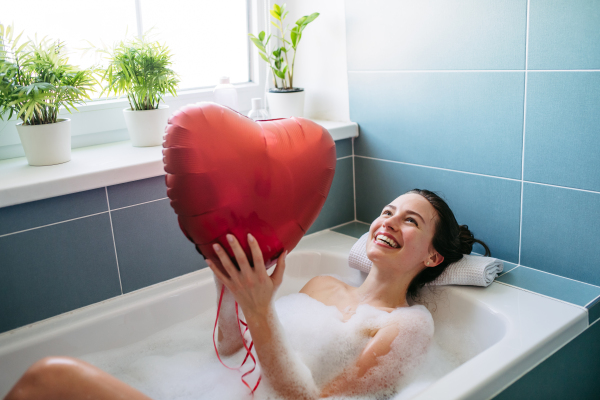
x=43, y=375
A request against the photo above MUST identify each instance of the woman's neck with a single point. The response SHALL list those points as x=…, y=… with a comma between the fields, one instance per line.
x=384, y=289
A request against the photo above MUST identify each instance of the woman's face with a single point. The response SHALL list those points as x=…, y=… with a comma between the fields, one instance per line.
x=401, y=236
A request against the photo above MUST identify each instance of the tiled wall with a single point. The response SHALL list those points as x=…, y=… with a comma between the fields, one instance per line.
x=67, y=252
x=495, y=105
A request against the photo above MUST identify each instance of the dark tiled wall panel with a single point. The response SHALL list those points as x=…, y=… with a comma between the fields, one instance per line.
x=52, y=270
x=489, y=206
x=343, y=148
x=43, y=212
x=136, y=192
x=561, y=231
x=150, y=246
x=570, y=373
x=467, y=121
x=339, y=207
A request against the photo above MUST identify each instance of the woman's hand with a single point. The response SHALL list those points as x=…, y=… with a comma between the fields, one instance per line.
x=252, y=288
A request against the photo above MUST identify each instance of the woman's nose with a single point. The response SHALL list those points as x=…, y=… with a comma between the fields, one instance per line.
x=391, y=223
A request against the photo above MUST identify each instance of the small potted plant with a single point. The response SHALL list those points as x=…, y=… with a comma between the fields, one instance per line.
x=35, y=81
x=284, y=99
x=141, y=69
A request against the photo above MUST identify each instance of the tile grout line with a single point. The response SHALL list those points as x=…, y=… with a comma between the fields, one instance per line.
x=343, y=158
x=477, y=174
x=139, y=204
x=560, y=276
x=112, y=231
x=506, y=272
x=354, y=179
x=540, y=294
x=468, y=70
x=524, y=128
x=54, y=223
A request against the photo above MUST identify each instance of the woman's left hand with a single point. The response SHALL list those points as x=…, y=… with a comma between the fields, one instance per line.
x=252, y=288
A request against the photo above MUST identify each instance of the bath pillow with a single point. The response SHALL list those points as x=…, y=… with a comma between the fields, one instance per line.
x=229, y=174
x=469, y=270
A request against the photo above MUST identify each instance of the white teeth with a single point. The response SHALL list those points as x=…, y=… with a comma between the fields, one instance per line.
x=387, y=240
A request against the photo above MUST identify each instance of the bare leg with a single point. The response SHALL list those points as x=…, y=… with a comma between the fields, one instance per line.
x=65, y=378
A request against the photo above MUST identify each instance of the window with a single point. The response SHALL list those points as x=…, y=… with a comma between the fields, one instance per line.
x=207, y=38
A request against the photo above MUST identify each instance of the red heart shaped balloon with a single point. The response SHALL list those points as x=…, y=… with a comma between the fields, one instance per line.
x=229, y=174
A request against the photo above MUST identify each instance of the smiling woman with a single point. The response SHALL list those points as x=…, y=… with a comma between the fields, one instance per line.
x=360, y=341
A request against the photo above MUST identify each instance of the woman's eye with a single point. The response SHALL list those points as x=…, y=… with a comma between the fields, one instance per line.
x=386, y=212
x=412, y=220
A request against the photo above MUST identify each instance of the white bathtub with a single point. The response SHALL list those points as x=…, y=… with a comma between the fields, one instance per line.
x=509, y=330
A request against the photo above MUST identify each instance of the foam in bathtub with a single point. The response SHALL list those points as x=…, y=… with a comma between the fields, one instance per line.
x=179, y=362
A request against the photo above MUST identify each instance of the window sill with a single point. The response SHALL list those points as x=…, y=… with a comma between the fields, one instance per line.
x=98, y=166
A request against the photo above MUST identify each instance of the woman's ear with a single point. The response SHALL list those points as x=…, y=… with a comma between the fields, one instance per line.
x=434, y=259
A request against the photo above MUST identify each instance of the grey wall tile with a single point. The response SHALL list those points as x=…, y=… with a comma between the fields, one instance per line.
x=48, y=211
x=150, y=246
x=343, y=148
x=594, y=311
x=570, y=373
x=136, y=192
x=467, y=121
x=561, y=231
x=339, y=206
x=52, y=270
x=564, y=34
x=354, y=229
x=435, y=34
x=489, y=206
x=562, y=136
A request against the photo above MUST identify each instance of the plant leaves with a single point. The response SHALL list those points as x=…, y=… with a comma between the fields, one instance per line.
x=275, y=15
x=261, y=36
x=264, y=57
x=311, y=18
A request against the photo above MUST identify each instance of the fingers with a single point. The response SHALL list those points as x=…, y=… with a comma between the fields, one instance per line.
x=257, y=257
x=277, y=275
x=226, y=262
x=240, y=256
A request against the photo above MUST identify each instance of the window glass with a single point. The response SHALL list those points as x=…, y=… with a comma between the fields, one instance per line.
x=208, y=38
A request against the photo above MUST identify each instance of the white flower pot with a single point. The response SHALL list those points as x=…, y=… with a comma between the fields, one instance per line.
x=146, y=127
x=285, y=104
x=46, y=144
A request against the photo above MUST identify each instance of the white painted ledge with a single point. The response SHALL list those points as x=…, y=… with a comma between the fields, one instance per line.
x=98, y=166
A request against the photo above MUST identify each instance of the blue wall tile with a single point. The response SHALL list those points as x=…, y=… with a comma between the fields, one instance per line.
x=561, y=231
x=564, y=34
x=570, y=373
x=343, y=148
x=136, y=192
x=489, y=206
x=339, y=206
x=551, y=285
x=56, y=209
x=562, y=136
x=52, y=270
x=435, y=34
x=150, y=246
x=594, y=310
x=469, y=121
x=354, y=229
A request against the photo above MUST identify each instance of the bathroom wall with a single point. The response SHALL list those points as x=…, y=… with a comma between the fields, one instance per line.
x=67, y=252
x=496, y=106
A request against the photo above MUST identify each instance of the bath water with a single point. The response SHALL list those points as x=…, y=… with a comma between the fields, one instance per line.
x=180, y=363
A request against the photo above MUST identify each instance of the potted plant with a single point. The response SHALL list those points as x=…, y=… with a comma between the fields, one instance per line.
x=284, y=99
x=35, y=81
x=140, y=69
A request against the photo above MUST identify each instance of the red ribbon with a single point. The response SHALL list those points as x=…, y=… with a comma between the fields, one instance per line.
x=248, y=348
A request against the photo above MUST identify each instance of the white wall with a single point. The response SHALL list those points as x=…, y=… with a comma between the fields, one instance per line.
x=321, y=61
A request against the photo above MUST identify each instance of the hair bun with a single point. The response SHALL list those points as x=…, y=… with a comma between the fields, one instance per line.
x=466, y=238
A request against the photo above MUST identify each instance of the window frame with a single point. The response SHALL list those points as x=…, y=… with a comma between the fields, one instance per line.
x=96, y=122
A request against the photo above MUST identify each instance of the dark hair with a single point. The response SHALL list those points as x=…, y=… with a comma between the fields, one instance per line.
x=449, y=239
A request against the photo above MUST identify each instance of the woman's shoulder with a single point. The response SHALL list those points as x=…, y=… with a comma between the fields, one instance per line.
x=323, y=284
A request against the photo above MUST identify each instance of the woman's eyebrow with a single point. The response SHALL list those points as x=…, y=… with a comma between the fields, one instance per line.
x=407, y=211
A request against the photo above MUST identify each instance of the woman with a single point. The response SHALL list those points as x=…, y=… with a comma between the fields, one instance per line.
x=410, y=244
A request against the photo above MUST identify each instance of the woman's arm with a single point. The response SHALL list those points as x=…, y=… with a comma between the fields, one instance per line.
x=229, y=340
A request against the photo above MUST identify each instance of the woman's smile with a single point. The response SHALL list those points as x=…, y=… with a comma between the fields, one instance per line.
x=386, y=240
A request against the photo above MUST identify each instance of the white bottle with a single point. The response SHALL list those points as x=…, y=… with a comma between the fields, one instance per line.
x=225, y=94
x=257, y=112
